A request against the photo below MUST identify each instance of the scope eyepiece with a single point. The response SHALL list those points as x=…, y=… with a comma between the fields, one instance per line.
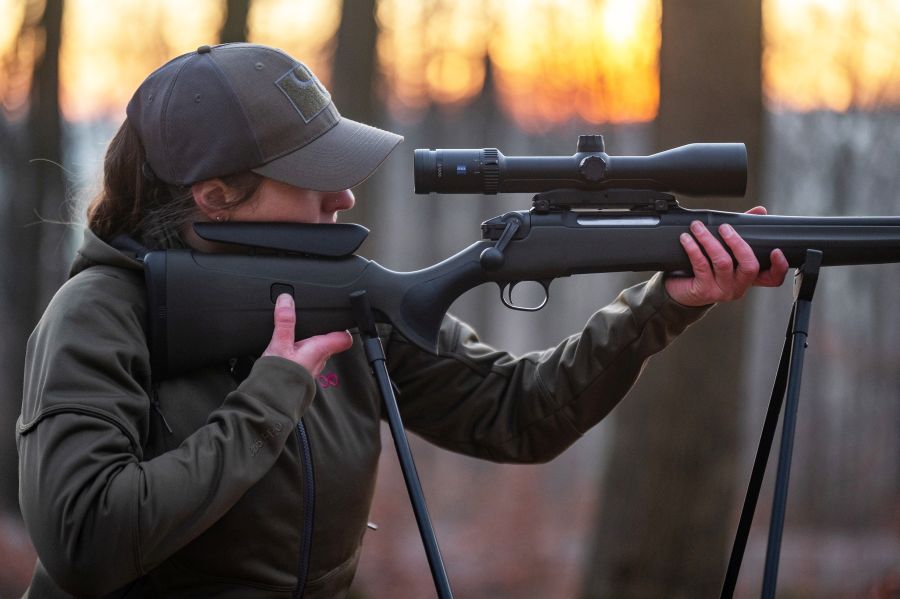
x=701, y=169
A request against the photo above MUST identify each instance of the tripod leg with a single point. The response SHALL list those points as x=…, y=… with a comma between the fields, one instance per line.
x=779, y=502
x=375, y=354
x=759, y=467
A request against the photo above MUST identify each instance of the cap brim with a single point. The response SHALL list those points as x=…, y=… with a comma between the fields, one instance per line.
x=341, y=158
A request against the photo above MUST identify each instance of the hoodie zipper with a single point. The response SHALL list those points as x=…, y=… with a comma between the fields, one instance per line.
x=308, y=508
x=154, y=401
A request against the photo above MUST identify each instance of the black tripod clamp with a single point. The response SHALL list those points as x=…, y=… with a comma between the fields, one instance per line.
x=362, y=313
x=787, y=383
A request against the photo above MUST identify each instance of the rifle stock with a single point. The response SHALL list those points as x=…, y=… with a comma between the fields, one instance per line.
x=207, y=308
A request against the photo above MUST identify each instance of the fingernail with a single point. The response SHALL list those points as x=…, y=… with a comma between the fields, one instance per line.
x=697, y=226
x=284, y=300
x=685, y=238
x=726, y=230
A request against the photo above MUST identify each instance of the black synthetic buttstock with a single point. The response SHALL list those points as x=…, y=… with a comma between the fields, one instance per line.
x=207, y=308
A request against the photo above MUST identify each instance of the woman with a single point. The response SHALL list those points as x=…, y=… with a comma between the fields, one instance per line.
x=258, y=483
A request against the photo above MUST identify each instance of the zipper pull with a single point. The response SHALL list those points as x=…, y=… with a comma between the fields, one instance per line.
x=154, y=401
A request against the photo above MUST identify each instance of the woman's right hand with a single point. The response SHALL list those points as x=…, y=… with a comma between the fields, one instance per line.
x=311, y=353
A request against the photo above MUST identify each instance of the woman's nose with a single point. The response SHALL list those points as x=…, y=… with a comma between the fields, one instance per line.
x=340, y=200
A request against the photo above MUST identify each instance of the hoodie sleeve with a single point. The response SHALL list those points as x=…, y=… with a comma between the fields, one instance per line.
x=479, y=401
x=98, y=513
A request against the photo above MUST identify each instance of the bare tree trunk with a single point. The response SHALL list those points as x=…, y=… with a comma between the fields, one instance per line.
x=665, y=519
x=33, y=260
x=235, y=27
x=45, y=125
x=353, y=81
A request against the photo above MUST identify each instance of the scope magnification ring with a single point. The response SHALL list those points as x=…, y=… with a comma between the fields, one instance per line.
x=491, y=170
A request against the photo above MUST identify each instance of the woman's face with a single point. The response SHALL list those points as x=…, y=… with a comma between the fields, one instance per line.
x=279, y=202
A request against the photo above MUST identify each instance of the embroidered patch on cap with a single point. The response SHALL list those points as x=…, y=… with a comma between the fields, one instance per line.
x=304, y=91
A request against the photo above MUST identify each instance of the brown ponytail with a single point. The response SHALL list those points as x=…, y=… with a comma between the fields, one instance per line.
x=134, y=202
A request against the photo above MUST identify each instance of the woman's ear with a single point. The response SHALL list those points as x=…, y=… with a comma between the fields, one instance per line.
x=213, y=197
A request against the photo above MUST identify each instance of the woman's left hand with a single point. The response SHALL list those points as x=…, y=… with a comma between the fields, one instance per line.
x=716, y=279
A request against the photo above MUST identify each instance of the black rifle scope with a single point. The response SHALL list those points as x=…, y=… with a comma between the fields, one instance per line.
x=702, y=169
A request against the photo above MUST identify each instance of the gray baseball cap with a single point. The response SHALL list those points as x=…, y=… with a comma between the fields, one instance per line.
x=236, y=107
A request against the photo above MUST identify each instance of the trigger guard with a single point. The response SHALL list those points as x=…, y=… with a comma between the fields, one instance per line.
x=506, y=290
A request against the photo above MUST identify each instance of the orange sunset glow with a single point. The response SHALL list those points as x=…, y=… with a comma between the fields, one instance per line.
x=593, y=60
x=831, y=54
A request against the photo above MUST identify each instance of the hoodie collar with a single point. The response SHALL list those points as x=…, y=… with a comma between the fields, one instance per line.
x=94, y=251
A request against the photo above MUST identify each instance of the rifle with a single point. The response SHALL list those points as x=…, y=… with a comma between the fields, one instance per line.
x=592, y=213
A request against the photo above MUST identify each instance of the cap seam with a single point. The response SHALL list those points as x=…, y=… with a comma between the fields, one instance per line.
x=240, y=105
x=164, y=120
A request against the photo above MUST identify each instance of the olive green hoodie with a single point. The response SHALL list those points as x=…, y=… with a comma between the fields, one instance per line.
x=202, y=485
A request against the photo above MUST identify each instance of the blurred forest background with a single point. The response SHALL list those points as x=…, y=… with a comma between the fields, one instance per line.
x=646, y=505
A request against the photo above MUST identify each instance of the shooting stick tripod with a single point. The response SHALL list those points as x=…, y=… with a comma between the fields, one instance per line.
x=787, y=383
